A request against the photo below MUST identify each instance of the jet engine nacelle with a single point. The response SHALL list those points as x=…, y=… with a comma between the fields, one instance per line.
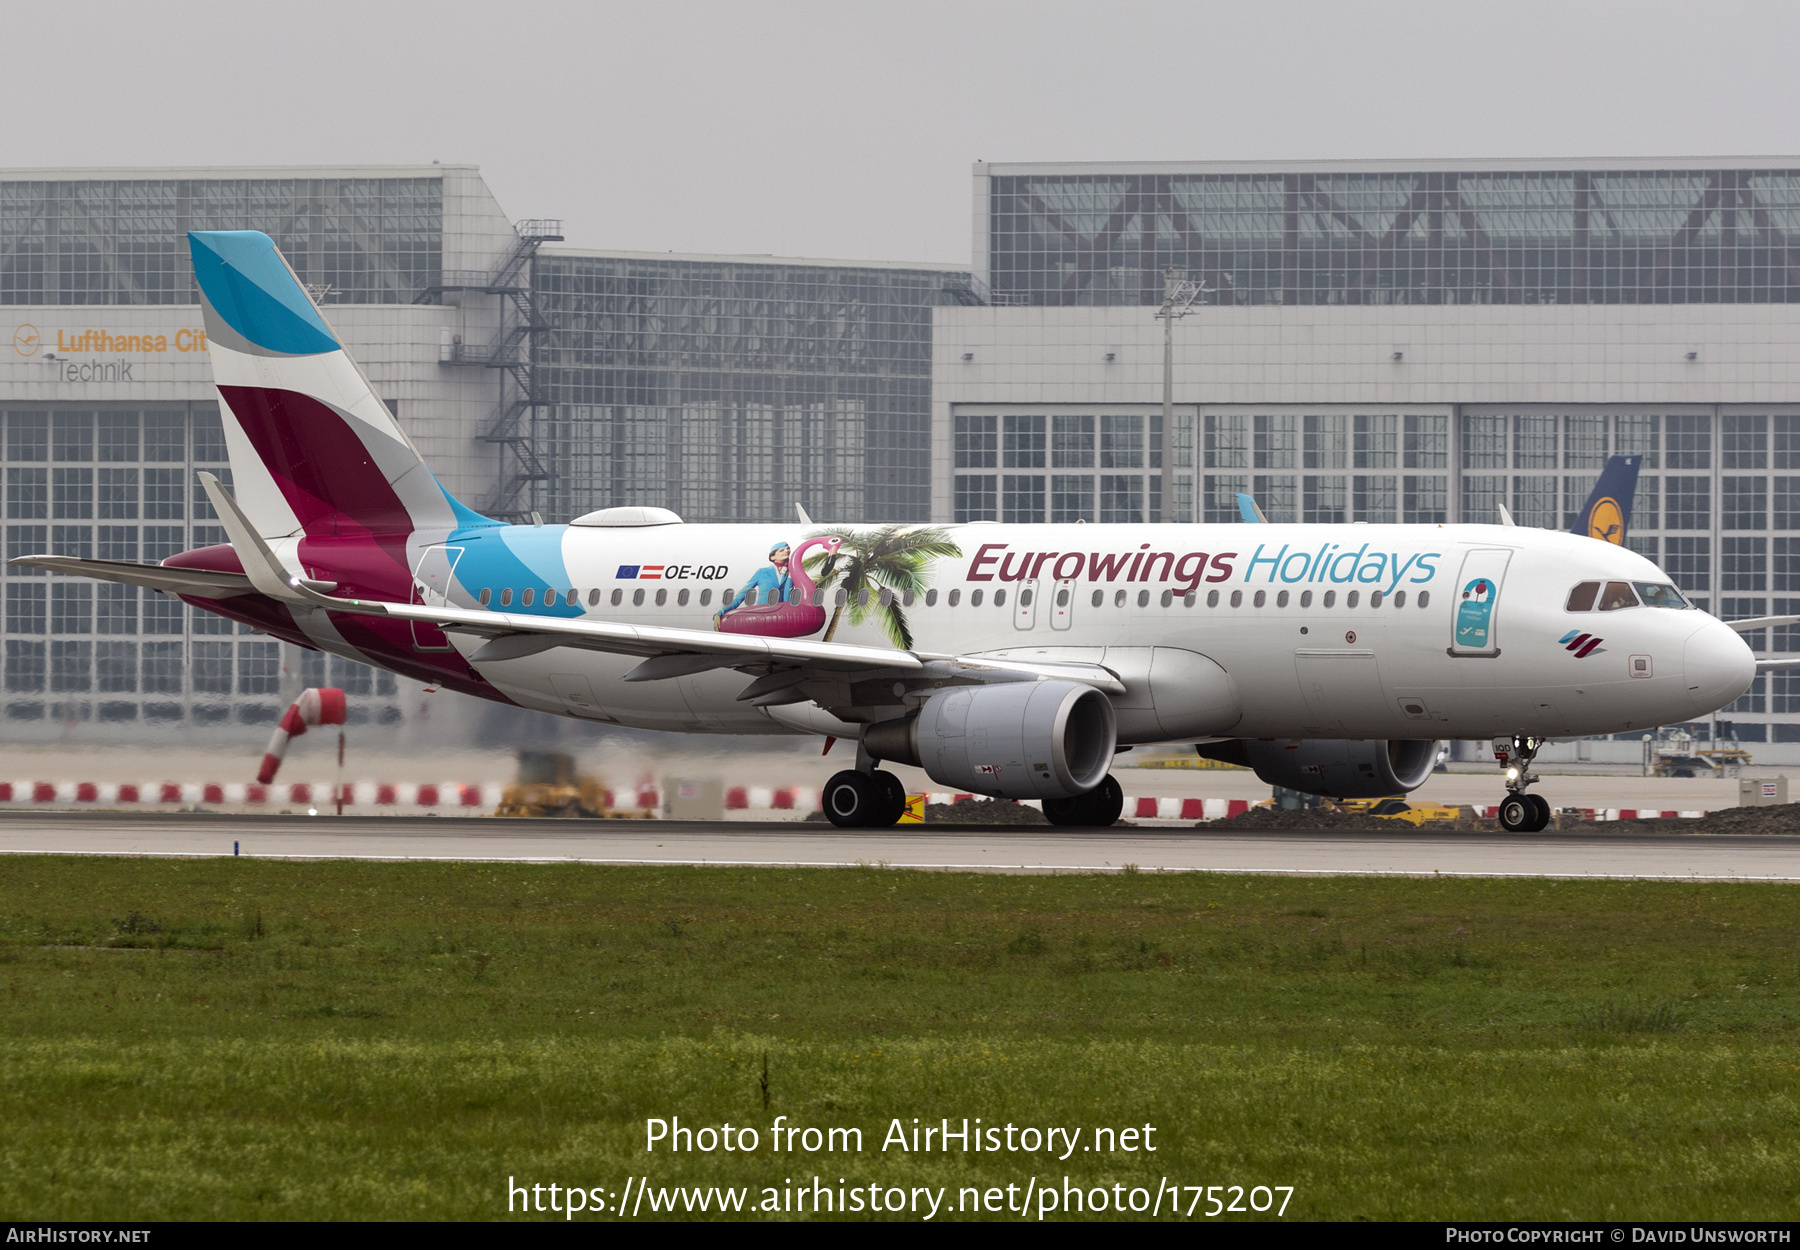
x=1015, y=740
x=1337, y=768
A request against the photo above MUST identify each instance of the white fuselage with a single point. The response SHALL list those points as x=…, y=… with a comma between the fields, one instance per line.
x=1256, y=631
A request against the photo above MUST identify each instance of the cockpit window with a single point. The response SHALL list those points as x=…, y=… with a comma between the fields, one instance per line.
x=1617, y=595
x=1656, y=596
x=1581, y=599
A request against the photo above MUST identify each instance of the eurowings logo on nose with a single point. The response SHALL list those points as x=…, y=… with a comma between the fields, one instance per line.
x=1583, y=645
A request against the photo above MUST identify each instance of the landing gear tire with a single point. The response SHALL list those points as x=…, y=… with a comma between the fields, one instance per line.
x=1096, y=809
x=893, y=799
x=1524, y=813
x=854, y=800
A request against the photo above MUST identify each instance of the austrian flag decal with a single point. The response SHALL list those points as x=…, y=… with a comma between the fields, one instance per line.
x=1583, y=645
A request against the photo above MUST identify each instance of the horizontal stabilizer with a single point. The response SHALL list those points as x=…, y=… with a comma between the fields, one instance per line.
x=202, y=583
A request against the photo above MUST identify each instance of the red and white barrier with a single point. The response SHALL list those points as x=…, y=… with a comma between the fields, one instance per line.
x=442, y=796
x=315, y=706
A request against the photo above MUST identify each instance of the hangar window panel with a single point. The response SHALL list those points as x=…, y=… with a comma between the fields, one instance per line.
x=1689, y=562
x=1426, y=441
x=977, y=497
x=1227, y=441
x=27, y=608
x=26, y=540
x=1687, y=503
x=1121, y=498
x=1121, y=442
x=1155, y=445
x=1754, y=699
x=205, y=622
x=118, y=437
x=1325, y=441
x=25, y=668
x=209, y=436
x=202, y=503
x=352, y=676
x=162, y=668
x=1072, y=498
x=1373, y=498
x=1072, y=441
x=1784, y=696
x=116, y=667
x=1744, y=503
x=72, y=540
x=1688, y=442
x=161, y=542
x=1377, y=441
x=27, y=436
x=1534, y=442
x=1646, y=547
x=1784, y=565
x=1426, y=499
x=72, y=492
x=1484, y=442
x=1639, y=434
x=71, y=607
x=115, y=609
x=160, y=614
x=27, y=493
x=1322, y=499
x=1220, y=497
x=117, y=491
x=977, y=442
x=1534, y=501
x=73, y=436
x=1276, y=495
x=165, y=436
x=258, y=668
x=1275, y=439
x=1482, y=495
x=116, y=542
x=1022, y=442
x=1744, y=442
x=1022, y=498
x=1584, y=441
x=211, y=668
x=163, y=493
x=71, y=666
x=1784, y=437
x=1576, y=489
x=1743, y=564
x=1646, y=504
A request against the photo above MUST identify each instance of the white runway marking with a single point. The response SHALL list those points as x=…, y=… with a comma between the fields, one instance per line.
x=934, y=847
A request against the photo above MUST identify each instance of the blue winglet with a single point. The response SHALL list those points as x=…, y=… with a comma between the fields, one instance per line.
x=1248, y=512
x=248, y=284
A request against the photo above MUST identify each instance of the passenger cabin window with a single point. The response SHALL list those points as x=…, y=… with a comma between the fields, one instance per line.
x=1655, y=596
x=1581, y=599
x=1617, y=595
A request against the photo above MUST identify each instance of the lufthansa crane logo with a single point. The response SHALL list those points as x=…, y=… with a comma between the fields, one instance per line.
x=1606, y=521
x=26, y=339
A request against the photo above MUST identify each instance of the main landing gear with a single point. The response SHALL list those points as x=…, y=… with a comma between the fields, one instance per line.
x=1520, y=812
x=855, y=799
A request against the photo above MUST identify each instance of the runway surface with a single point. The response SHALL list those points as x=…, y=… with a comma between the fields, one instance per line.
x=1377, y=852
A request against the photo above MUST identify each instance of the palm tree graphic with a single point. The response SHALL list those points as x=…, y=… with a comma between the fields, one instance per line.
x=895, y=558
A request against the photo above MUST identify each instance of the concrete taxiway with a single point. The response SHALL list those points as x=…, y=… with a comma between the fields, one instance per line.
x=939, y=847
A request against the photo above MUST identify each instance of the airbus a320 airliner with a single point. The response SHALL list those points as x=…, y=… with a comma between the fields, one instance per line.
x=1005, y=660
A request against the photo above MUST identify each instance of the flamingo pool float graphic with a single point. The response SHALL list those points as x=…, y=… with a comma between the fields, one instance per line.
x=784, y=620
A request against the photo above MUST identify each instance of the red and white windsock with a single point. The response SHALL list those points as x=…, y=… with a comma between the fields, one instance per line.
x=314, y=707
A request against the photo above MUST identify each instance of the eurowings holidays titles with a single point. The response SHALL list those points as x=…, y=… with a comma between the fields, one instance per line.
x=1289, y=565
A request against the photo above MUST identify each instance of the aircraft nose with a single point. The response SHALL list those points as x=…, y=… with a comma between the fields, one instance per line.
x=1719, y=666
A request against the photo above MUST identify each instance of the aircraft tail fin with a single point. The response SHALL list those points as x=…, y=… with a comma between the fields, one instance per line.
x=1607, y=513
x=314, y=451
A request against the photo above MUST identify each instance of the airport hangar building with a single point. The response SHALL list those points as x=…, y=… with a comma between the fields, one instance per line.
x=1387, y=341
x=536, y=379
x=1376, y=341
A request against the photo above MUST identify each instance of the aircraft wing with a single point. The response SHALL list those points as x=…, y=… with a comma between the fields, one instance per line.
x=202, y=583
x=667, y=651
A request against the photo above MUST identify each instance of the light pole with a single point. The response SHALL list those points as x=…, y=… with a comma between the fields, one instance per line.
x=1178, y=299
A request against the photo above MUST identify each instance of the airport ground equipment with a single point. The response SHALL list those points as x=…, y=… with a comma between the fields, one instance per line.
x=548, y=785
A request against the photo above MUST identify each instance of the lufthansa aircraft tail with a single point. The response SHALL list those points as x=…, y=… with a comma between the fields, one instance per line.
x=1607, y=512
x=315, y=455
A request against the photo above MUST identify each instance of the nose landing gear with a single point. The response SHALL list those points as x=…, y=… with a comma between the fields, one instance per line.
x=1520, y=812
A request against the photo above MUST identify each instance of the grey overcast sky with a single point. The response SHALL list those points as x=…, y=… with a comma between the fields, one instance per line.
x=847, y=129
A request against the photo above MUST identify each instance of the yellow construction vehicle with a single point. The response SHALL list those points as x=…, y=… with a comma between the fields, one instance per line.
x=547, y=785
x=1401, y=809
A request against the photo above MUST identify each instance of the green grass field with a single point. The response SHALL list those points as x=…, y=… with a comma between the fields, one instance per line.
x=237, y=1038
